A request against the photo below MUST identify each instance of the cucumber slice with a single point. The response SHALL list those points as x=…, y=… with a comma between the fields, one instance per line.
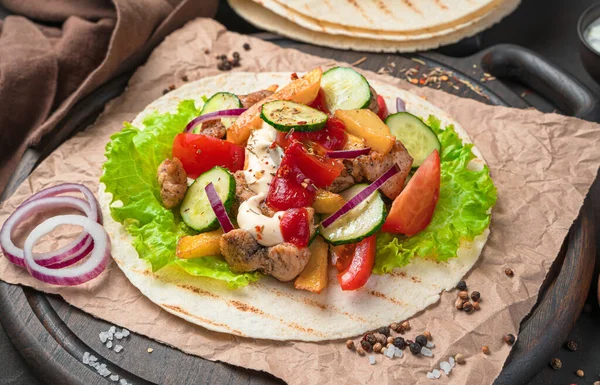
x=284, y=115
x=196, y=210
x=345, y=89
x=416, y=136
x=219, y=102
x=360, y=222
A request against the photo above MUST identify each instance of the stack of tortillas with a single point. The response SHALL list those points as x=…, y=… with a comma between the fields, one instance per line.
x=375, y=25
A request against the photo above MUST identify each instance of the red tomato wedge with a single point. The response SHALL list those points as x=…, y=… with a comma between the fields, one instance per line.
x=341, y=256
x=321, y=171
x=359, y=271
x=383, y=111
x=412, y=210
x=286, y=190
x=200, y=153
x=319, y=102
x=295, y=227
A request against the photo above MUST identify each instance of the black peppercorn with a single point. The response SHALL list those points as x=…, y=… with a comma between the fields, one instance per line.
x=421, y=340
x=555, y=363
x=475, y=296
x=165, y=91
x=415, y=348
x=468, y=307
x=399, y=342
x=366, y=346
x=509, y=339
x=226, y=66
x=223, y=57
x=572, y=345
x=246, y=46
x=236, y=55
x=462, y=286
x=385, y=330
x=370, y=338
x=235, y=63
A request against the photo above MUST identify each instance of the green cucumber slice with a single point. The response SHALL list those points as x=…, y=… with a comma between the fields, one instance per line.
x=285, y=115
x=219, y=102
x=415, y=135
x=196, y=210
x=362, y=221
x=345, y=89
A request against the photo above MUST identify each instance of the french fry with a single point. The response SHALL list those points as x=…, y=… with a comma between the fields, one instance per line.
x=327, y=202
x=201, y=245
x=314, y=276
x=367, y=125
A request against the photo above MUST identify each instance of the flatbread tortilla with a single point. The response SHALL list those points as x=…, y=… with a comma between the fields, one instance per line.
x=263, y=18
x=270, y=309
x=396, y=31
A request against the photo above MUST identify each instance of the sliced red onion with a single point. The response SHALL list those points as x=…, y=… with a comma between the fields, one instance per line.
x=233, y=113
x=73, y=275
x=72, y=252
x=348, y=154
x=66, y=255
x=218, y=208
x=400, y=105
x=361, y=196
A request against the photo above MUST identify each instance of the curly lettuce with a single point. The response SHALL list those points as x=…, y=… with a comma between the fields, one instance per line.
x=132, y=159
x=462, y=212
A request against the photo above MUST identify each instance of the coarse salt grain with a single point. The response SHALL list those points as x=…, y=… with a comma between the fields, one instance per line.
x=451, y=361
x=93, y=358
x=436, y=373
x=112, y=330
x=445, y=366
x=103, y=336
x=86, y=358
x=150, y=350
x=372, y=360
x=426, y=352
x=125, y=332
x=430, y=375
x=114, y=378
x=118, y=335
x=430, y=345
x=123, y=381
x=390, y=351
x=398, y=353
x=118, y=348
x=109, y=344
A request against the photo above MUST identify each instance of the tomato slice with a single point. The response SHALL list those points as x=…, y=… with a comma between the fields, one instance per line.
x=319, y=102
x=321, y=171
x=331, y=137
x=383, y=111
x=341, y=256
x=200, y=153
x=359, y=271
x=413, y=209
x=286, y=190
x=295, y=227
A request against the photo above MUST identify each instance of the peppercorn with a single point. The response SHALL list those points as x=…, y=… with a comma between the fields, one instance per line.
x=380, y=338
x=235, y=63
x=246, y=46
x=226, y=66
x=459, y=303
x=184, y=78
x=366, y=346
x=421, y=340
x=165, y=91
x=509, y=339
x=385, y=330
x=171, y=87
x=206, y=51
x=390, y=340
x=459, y=358
x=223, y=57
x=555, y=363
x=475, y=296
x=406, y=325
x=394, y=326
x=415, y=348
x=596, y=383
x=463, y=295
x=476, y=305
x=399, y=328
x=572, y=345
x=377, y=347
x=467, y=306
x=370, y=338
x=462, y=286
x=427, y=335
x=350, y=344
x=580, y=373
x=360, y=351
x=508, y=271
x=236, y=55
x=485, y=349
x=399, y=342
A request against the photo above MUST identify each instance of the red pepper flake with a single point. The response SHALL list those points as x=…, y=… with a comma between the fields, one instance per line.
x=273, y=145
x=294, y=76
x=259, y=231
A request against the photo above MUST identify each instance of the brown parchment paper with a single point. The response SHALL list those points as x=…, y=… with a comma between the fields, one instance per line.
x=542, y=165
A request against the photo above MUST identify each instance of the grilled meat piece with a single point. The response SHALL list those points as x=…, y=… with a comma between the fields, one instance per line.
x=344, y=181
x=214, y=128
x=241, y=251
x=172, y=179
x=254, y=97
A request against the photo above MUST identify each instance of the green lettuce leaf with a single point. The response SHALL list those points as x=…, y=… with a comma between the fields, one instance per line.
x=462, y=212
x=133, y=156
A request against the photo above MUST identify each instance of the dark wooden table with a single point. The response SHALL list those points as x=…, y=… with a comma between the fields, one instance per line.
x=13, y=371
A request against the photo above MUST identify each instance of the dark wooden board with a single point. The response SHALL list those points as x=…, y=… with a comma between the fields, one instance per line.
x=52, y=336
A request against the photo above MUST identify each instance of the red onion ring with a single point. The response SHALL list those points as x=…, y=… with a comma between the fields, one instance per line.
x=74, y=275
x=218, y=208
x=233, y=113
x=361, y=196
x=348, y=154
x=66, y=255
x=400, y=105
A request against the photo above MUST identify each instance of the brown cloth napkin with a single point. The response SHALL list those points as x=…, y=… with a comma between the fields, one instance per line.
x=58, y=51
